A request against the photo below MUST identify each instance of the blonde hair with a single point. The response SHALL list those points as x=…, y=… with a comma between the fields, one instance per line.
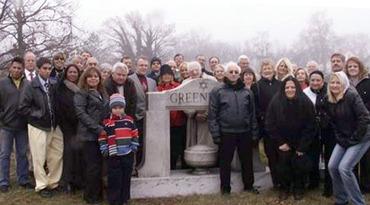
x=267, y=62
x=331, y=97
x=218, y=66
x=289, y=66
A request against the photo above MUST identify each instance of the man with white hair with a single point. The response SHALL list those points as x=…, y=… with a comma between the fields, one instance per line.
x=232, y=129
x=118, y=82
x=312, y=66
x=195, y=71
x=30, y=65
x=243, y=62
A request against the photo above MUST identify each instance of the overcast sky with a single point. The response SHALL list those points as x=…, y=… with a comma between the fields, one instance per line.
x=233, y=20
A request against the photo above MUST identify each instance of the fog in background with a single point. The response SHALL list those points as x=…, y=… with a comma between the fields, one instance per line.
x=109, y=29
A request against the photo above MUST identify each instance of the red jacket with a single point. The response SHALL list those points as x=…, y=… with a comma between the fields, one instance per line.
x=177, y=118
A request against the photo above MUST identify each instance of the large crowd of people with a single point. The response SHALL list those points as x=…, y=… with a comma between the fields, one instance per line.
x=74, y=123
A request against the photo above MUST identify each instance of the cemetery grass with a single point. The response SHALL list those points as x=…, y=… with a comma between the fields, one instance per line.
x=20, y=196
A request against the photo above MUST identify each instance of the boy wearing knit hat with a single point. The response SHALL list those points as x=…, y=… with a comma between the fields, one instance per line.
x=118, y=144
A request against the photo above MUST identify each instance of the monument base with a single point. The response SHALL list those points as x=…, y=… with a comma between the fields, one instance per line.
x=182, y=183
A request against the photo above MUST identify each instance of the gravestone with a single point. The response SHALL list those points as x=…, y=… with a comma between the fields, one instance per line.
x=193, y=95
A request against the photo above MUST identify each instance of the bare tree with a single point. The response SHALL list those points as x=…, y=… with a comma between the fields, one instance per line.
x=99, y=48
x=136, y=35
x=197, y=42
x=39, y=25
x=192, y=43
x=261, y=45
x=358, y=44
x=316, y=42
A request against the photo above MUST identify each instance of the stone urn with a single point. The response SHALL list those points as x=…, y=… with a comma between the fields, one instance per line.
x=201, y=158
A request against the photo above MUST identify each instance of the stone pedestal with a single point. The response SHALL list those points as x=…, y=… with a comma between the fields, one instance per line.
x=156, y=161
x=180, y=182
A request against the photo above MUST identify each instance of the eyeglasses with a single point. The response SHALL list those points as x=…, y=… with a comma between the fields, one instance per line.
x=234, y=71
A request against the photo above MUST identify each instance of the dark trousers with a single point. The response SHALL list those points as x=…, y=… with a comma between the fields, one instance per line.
x=93, y=171
x=314, y=154
x=177, y=134
x=140, y=153
x=365, y=172
x=271, y=150
x=72, y=161
x=289, y=171
x=243, y=143
x=119, y=178
x=329, y=144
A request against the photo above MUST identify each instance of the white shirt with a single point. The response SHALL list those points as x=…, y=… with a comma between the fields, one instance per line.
x=43, y=82
x=121, y=90
x=310, y=95
x=27, y=74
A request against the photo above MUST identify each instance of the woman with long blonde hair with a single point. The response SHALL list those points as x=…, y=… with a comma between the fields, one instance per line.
x=349, y=120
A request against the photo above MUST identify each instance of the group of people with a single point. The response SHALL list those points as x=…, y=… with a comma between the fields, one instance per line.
x=301, y=115
x=73, y=123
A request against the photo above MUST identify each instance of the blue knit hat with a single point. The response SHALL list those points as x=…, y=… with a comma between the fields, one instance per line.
x=116, y=100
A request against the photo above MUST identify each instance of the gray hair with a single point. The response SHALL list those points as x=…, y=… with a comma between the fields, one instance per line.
x=230, y=65
x=105, y=66
x=243, y=57
x=314, y=62
x=119, y=65
x=194, y=65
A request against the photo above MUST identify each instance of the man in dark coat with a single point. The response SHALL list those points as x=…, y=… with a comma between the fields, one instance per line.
x=233, y=124
x=45, y=137
x=14, y=126
x=155, y=65
x=118, y=82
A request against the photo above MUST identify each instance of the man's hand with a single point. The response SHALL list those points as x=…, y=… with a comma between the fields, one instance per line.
x=285, y=147
x=299, y=153
x=217, y=140
x=201, y=117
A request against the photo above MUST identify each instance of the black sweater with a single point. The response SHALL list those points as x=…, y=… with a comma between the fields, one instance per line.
x=266, y=90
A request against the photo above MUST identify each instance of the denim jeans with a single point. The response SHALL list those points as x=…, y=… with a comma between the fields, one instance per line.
x=341, y=164
x=7, y=138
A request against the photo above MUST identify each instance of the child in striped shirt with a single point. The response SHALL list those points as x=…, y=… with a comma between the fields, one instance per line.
x=119, y=144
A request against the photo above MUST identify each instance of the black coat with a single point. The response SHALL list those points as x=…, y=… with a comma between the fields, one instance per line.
x=153, y=76
x=266, y=90
x=10, y=95
x=323, y=129
x=129, y=93
x=65, y=108
x=363, y=88
x=232, y=110
x=293, y=123
x=91, y=109
x=34, y=105
x=349, y=119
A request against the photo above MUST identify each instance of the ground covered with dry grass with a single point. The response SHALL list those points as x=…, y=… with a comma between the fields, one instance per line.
x=19, y=196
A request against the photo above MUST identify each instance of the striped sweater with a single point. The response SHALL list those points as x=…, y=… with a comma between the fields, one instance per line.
x=121, y=138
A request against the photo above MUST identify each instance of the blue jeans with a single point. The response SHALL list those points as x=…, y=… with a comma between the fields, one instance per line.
x=341, y=166
x=6, y=146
